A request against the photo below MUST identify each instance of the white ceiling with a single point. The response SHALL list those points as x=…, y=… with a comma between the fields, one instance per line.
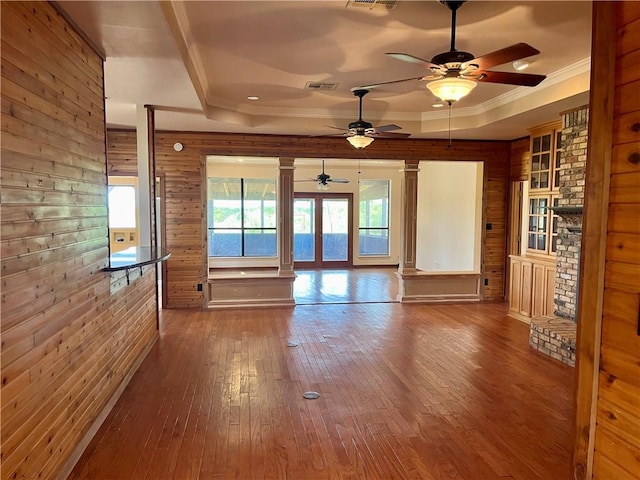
x=197, y=62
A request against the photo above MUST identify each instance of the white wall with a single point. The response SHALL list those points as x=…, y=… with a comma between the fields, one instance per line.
x=449, y=225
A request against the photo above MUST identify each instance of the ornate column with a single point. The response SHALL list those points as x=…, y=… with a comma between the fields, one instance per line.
x=410, y=218
x=285, y=231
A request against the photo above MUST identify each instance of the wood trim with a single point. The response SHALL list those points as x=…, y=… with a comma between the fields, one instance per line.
x=163, y=233
x=591, y=293
x=204, y=229
x=546, y=127
x=151, y=166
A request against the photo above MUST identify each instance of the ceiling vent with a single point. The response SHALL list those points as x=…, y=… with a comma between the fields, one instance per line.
x=388, y=4
x=321, y=86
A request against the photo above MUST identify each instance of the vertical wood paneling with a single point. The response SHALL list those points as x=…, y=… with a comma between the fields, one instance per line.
x=185, y=191
x=495, y=238
x=520, y=160
x=68, y=341
x=607, y=433
x=617, y=431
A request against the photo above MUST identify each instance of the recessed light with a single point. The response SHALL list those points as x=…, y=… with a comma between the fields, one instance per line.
x=253, y=98
x=438, y=105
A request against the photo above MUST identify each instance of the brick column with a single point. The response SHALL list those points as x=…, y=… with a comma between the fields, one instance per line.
x=572, y=178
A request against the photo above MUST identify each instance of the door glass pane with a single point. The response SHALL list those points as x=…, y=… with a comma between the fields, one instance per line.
x=335, y=229
x=304, y=230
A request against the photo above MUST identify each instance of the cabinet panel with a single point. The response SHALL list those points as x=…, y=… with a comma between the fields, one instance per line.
x=544, y=279
x=539, y=291
x=515, y=281
x=526, y=289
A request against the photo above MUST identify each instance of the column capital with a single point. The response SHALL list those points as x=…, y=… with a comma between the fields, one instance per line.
x=286, y=163
x=411, y=165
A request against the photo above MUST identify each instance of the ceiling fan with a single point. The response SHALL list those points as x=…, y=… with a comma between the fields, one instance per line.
x=361, y=133
x=465, y=67
x=323, y=179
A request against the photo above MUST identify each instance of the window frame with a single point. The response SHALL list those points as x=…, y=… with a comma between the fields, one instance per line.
x=243, y=228
x=550, y=192
x=550, y=230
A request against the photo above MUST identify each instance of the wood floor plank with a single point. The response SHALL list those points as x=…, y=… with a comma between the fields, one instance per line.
x=425, y=392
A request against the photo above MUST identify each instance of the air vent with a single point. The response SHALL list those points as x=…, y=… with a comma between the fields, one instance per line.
x=388, y=4
x=320, y=86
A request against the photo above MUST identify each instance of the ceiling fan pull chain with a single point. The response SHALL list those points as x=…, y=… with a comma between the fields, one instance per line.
x=450, y=103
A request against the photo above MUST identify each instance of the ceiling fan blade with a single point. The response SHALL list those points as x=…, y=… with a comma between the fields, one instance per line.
x=386, y=128
x=406, y=57
x=506, y=55
x=307, y=180
x=393, y=135
x=512, y=78
x=337, y=180
x=376, y=85
x=337, y=128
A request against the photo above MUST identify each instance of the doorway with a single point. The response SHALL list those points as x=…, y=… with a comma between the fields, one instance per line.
x=322, y=232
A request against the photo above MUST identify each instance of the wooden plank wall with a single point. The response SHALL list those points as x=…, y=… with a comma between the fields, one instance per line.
x=617, y=434
x=184, y=178
x=520, y=160
x=71, y=333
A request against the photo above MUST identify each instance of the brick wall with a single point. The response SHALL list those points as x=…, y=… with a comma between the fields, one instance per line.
x=572, y=178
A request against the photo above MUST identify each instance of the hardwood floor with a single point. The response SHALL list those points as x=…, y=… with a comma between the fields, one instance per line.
x=357, y=285
x=406, y=392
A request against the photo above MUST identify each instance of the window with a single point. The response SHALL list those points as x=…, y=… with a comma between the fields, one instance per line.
x=122, y=206
x=538, y=224
x=542, y=236
x=123, y=212
x=541, y=162
x=556, y=164
x=242, y=217
x=374, y=217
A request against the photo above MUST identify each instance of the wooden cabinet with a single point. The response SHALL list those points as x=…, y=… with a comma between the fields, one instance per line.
x=531, y=287
x=544, y=183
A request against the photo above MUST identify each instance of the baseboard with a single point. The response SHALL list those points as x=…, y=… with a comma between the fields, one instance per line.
x=97, y=423
x=520, y=317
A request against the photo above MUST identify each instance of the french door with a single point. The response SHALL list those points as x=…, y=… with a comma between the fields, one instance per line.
x=322, y=232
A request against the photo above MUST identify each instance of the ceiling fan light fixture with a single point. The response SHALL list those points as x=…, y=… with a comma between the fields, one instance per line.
x=451, y=89
x=322, y=186
x=360, y=141
x=520, y=65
